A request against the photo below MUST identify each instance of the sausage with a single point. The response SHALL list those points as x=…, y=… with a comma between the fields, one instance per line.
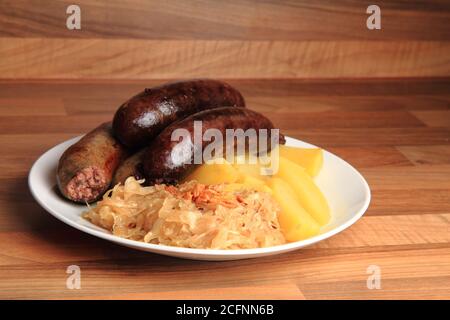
x=86, y=168
x=162, y=163
x=131, y=166
x=145, y=115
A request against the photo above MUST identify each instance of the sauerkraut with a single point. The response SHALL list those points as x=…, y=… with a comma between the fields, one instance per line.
x=189, y=215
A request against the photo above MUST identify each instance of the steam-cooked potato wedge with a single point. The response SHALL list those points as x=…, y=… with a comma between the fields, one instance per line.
x=296, y=224
x=310, y=159
x=254, y=183
x=219, y=171
x=247, y=168
x=309, y=195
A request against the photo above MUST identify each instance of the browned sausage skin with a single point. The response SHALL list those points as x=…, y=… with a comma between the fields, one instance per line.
x=145, y=115
x=85, y=169
x=130, y=167
x=158, y=162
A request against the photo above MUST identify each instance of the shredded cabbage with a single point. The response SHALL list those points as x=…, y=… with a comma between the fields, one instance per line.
x=189, y=215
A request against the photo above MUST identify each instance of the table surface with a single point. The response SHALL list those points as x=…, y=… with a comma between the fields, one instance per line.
x=396, y=132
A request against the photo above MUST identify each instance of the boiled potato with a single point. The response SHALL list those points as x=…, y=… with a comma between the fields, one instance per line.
x=309, y=195
x=246, y=168
x=296, y=224
x=215, y=172
x=310, y=159
x=254, y=183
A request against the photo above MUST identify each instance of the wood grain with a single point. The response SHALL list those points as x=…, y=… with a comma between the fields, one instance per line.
x=375, y=233
x=165, y=59
x=379, y=99
x=283, y=292
x=373, y=124
x=379, y=137
x=243, y=39
x=434, y=119
x=437, y=154
x=429, y=93
x=160, y=274
x=242, y=20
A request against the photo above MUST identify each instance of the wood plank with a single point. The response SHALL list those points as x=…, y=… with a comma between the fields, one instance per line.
x=85, y=106
x=301, y=103
x=276, y=291
x=416, y=178
x=167, y=59
x=421, y=90
x=366, y=157
x=437, y=154
x=249, y=19
x=371, y=137
x=286, y=105
x=23, y=106
x=343, y=119
x=15, y=166
x=372, y=231
x=343, y=128
x=25, y=215
x=439, y=118
x=52, y=124
x=408, y=202
x=24, y=144
x=167, y=274
x=409, y=289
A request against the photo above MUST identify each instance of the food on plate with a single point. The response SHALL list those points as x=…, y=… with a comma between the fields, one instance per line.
x=251, y=184
x=302, y=185
x=130, y=167
x=305, y=189
x=296, y=223
x=192, y=167
x=168, y=161
x=221, y=171
x=254, y=183
x=309, y=158
x=246, y=167
x=299, y=197
x=189, y=215
x=145, y=115
x=217, y=172
x=85, y=169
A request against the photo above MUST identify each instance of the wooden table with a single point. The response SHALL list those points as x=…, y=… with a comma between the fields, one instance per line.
x=396, y=132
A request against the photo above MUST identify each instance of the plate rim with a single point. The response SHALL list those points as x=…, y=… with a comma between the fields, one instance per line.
x=165, y=249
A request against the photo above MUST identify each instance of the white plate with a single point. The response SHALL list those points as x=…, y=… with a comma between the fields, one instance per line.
x=344, y=187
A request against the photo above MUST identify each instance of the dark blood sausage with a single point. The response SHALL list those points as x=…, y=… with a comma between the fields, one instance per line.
x=86, y=168
x=131, y=166
x=145, y=115
x=162, y=163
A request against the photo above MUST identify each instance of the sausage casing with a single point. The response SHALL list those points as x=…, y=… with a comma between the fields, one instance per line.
x=159, y=163
x=145, y=115
x=85, y=169
x=130, y=167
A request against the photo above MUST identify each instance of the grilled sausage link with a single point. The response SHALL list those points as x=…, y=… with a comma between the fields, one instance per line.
x=145, y=115
x=130, y=167
x=167, y=161
x=85, y=169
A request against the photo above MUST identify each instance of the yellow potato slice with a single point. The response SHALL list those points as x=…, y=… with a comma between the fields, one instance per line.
x=246, y=168
x=296, y=224
x=309, y=195
x=216, y=172
x=310, y=159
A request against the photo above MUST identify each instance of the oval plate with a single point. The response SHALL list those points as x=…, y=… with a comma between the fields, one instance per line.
x=347, y=192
